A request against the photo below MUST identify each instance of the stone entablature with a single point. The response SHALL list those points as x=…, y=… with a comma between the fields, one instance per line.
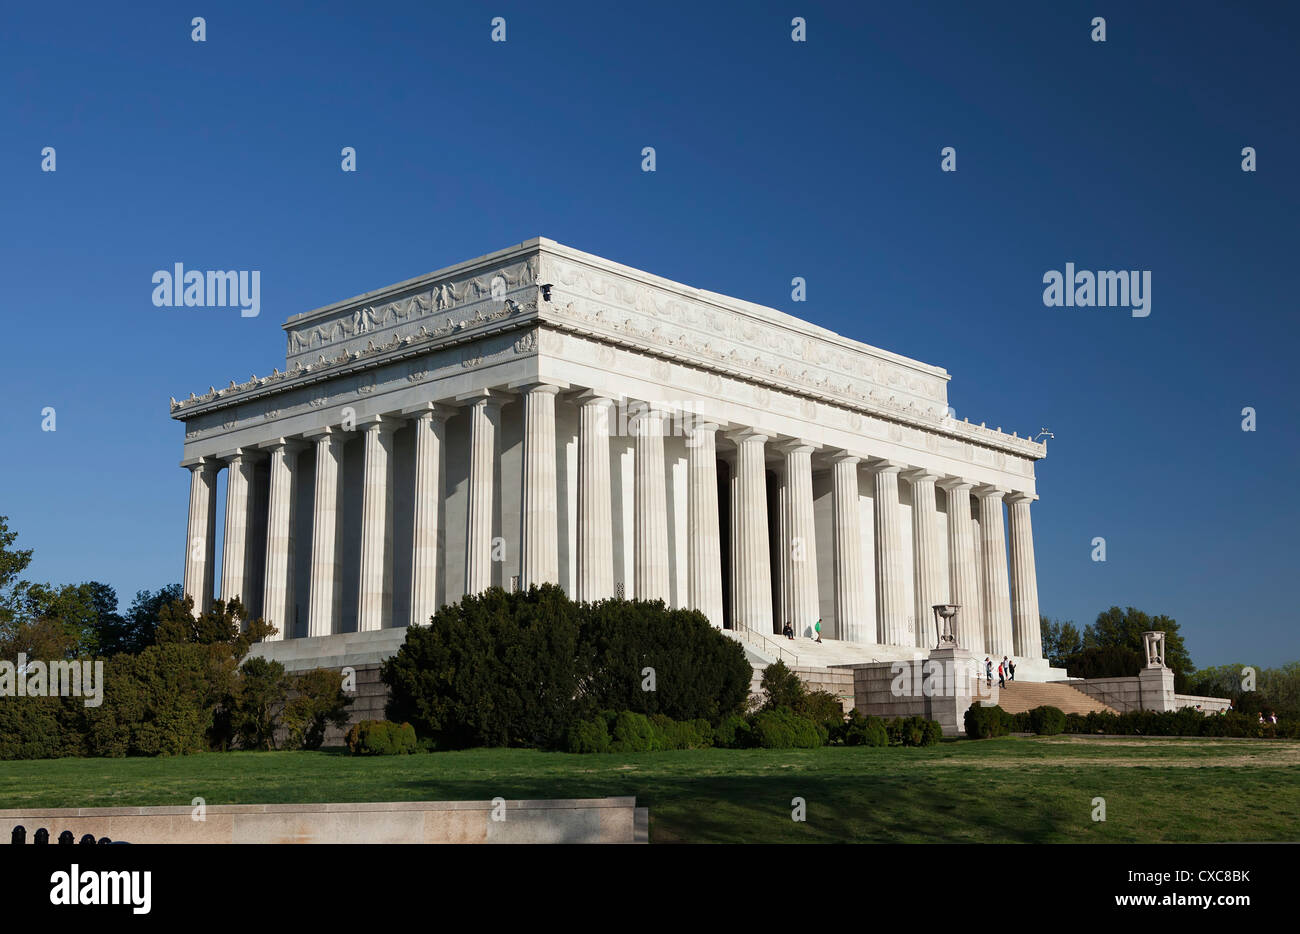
x=755, y=354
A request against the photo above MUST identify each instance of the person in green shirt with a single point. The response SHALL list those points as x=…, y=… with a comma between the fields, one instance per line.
x=818, y=630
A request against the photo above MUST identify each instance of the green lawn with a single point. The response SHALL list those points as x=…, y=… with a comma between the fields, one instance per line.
x=1004, y=790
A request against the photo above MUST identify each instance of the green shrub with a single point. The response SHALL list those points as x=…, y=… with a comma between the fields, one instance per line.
x=318, y=702
x=633, y=732
x=824, y=709
x=733, y=733
x=784, y=729
x=986, y=722
x=913, y=731
x=862, y=730
x=589, y=736
x=1047, y=721
x=381, y=738
x=518, y=669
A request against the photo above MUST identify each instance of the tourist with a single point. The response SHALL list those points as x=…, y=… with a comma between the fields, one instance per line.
x=1006, y=670
x=818, y=630
x=789, y=630
x=1273, y=717
x=1002, y=679
x=1012, y=669
x=988, y=671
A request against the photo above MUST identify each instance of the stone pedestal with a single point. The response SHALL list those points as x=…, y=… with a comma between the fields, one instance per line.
x=1157, y=688
x=957, y=680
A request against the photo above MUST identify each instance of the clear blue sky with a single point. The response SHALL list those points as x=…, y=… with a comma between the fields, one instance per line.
x=775, y=159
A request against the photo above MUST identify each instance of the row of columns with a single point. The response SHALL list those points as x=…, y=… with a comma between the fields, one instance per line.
x=999, y=616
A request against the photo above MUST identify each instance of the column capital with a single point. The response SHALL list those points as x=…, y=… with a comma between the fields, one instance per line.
x=989, y=491
x=951, y=483
x=843, y=457
x=315, y=434
x=201, y=463
x=290, y=445
x=1017, y=496
x=740, y=435
x=552, y=386
x=494, y=396
x=234, y=454
x=884, y=465
x=381, y=424
x=919, y=475
x=432, y=410
x=796, y=446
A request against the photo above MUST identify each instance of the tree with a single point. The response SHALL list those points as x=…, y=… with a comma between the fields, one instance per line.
x=260, y=695
x=782, y=687
x=137, y=629
x=318, y=702
x=1060, y=638
x=1116, y=627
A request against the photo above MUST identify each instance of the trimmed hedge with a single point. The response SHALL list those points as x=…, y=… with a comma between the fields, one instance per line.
x=987, y=722
x=381, y=738
x=1185, y=722
x=1046, y=720
x=913, y=731
x=784, y=729
x=521, y=669
x=861, y=730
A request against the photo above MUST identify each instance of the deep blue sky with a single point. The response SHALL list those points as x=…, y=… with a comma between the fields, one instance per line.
x=775, y=159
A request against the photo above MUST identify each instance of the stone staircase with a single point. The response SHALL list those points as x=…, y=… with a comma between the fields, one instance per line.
x=1019, y=696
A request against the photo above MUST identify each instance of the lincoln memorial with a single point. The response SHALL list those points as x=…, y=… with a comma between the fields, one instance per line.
x=542, y=414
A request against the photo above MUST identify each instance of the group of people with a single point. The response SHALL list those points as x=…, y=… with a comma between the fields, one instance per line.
x=1006, y=671
x=788, y=631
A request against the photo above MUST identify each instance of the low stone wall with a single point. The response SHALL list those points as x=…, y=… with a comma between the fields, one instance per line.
x=575, y=820
x=1121, y=694
x=1208, y=705
x=837, y=681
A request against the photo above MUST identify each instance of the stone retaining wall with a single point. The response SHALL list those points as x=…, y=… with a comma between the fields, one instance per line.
x=575, y=820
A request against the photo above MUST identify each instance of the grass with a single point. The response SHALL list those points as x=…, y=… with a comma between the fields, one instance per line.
x=1015, y=789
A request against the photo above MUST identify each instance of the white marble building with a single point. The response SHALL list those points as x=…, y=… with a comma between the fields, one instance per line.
x=542, y=414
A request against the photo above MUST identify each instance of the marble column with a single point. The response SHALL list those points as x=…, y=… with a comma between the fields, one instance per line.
x=595, y=519
x=704, y=570
x=997, y=593
x=851, y=615
x=539, y=536
x=930, y=577
x=651, y=508
x=239, y=477
x=752, y=594
x=429, y=424
x=325, y=600
x=1025, y=621
x=484, y=429
x=891, y=566
x=963, y=584
x=375, y=586
x=277, y=587
x=800, y=559
x=200, y=534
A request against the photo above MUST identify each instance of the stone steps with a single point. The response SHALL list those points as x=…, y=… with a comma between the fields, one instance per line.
x=1020, y=696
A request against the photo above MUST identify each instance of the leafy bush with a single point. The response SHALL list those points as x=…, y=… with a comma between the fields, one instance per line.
x=913, y=731
x=517, y=669
x=588, y=736
x=986, y=722
x=733, y=733
x=381, y=738
x=681, y=734
x=861, y=730
x=633, y=732
x=1047, y=721
x=318, y=702
x=784, y=729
